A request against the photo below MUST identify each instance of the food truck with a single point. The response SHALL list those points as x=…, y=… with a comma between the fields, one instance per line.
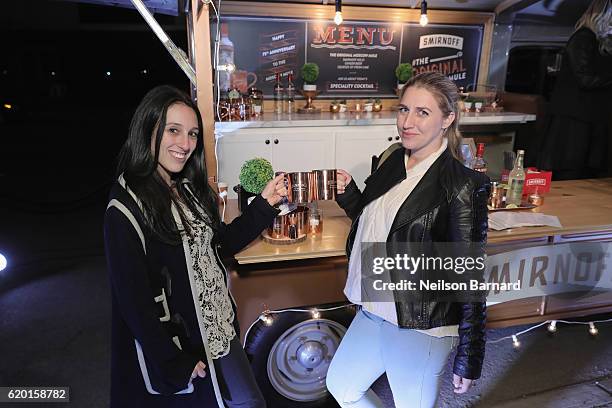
x=291, y=306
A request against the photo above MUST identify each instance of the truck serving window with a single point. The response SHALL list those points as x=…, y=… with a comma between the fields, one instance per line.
x=532, y=69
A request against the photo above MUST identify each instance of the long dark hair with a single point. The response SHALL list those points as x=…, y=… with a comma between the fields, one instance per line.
x=139, y=168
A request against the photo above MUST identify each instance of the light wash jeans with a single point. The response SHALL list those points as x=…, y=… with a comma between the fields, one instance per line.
x=372, y=346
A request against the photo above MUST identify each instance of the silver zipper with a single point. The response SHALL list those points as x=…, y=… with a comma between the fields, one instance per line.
x=227, y=277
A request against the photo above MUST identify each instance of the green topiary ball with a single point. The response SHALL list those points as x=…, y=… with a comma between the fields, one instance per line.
x=403, y=72
x=255, y=174
x=310, y=72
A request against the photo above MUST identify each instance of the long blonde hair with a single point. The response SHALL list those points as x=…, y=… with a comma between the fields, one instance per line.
x=598, y=19
x=447, y=95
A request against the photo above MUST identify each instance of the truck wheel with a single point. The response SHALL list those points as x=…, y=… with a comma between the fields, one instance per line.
x=290, y=357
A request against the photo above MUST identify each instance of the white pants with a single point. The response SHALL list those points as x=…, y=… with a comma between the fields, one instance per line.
x=372, y=346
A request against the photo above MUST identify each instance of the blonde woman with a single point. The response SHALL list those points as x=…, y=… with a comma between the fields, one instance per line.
x=421, y=193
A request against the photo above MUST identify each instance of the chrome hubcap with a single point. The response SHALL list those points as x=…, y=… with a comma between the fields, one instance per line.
x=300, y=357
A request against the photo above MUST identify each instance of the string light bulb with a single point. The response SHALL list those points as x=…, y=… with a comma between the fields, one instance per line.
x=423, y=20
x=515, y=342
x=338, y=17
x=266, y=318
x=315, y=314
x=552, y=327
x=592, y=329
x=226, y=67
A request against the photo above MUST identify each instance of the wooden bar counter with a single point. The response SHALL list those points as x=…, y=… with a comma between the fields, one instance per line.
x=583, y=207
x=313, y=272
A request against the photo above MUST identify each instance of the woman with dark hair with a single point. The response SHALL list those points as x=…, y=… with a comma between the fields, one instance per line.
x=577, y=141
x=420, y=194
x=175, y=338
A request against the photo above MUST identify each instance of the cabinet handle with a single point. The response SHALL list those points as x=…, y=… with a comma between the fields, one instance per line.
x=396, y=137
x=275, y=141
x=390, y=138
x=267, y=141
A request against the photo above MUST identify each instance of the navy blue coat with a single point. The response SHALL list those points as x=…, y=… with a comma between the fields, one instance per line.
x=136, y=279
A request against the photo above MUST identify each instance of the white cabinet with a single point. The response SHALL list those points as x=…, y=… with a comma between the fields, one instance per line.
x=288, y=149
x=233, y=149
x=356, y=145
x=303, y=149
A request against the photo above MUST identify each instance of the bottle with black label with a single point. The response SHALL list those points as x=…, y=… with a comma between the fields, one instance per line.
x=226, y=57
x=290, y=94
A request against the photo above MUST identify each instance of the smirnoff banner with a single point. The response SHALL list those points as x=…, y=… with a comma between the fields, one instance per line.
x=452, y=50
x=579, y=267
x=356, y=59
x=460, y=272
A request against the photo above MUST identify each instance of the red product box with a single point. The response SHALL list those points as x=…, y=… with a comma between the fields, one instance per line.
x=535, y=180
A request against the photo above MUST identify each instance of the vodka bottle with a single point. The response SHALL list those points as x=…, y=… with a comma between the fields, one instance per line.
x=516, y=180
x=278, y=95
x=226, y=56
x=290, y=94
x=479, y=163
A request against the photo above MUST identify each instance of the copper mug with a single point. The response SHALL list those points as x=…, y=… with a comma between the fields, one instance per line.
x=325, y=185
x=497, y=197
x=300, y=187
x=302, y=219
x=240, y=80
x=278, y=229
x=295, y=223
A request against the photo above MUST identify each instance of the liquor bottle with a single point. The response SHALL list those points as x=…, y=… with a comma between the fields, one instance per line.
x=278, y=95
x=479, y=163
x=516, y=180
x=290, y=94
x=226, y=56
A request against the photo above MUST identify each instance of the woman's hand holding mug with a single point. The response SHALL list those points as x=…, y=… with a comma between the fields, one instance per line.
x=275, y=190
x=342, y=180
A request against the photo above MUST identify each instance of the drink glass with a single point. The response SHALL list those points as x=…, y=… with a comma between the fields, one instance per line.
x=222, y=189
x=315, y=222
x=278, y=228
x=292, y=229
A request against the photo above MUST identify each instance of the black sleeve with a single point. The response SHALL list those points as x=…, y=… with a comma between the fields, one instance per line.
x=581, y=52
x=349, y=200
x=469, y=223
x=245, y=228
x=131, y=288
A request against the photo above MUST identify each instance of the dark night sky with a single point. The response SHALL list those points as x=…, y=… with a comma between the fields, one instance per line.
x=67, y=122
x=68, y=117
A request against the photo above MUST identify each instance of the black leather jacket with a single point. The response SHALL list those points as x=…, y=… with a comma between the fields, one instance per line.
x=449, y=204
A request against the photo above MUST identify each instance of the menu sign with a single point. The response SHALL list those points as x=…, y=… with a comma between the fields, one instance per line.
x=278, y=53
x=451, y=50
x=261, y=48
x=354, y=58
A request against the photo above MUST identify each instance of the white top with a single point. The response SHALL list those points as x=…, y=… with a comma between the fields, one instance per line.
x=374, y=225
